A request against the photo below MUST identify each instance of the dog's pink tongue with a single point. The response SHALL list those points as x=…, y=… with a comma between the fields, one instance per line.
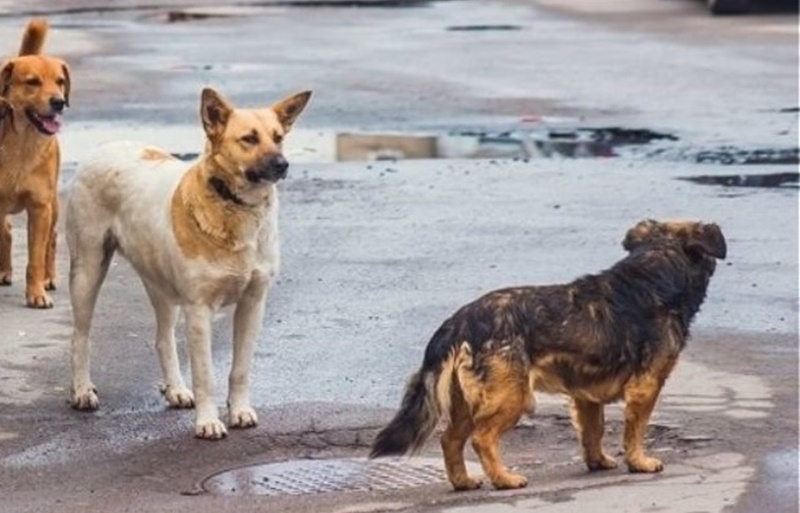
x=50, y=124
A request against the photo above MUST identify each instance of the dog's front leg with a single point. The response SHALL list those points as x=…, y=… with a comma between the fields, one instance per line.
x=5, y=248
x=640, y=399
x=246, y=325
x=589, y=420
x=52, y=238
x=198, y=333
x=40, y=223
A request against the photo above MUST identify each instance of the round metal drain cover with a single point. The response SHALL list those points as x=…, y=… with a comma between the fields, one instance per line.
x=305, y=477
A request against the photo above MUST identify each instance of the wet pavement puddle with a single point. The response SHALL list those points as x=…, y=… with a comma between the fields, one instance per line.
x=197, y=14
x=553, y=141
x=786, y=180
x=482, y=28
x=576, y=143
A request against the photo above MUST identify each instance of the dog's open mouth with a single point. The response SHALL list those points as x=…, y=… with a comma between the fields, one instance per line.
x=46, y=124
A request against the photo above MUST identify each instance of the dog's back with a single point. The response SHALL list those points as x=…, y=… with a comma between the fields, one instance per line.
x=120, y=198
x=124, y=175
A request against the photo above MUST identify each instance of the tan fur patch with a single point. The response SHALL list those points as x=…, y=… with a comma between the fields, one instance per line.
x=152, y=153
x=546, y=376
x=203, y=225
x=498, y=403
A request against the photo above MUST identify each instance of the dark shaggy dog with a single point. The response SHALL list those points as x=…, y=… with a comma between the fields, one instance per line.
x=604, y=337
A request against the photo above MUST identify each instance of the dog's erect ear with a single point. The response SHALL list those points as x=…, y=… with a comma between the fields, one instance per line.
x=215, y=112
x=67, y=83
x=708, y=239
x=290, y=107
x=5, y=78
x=640, y=233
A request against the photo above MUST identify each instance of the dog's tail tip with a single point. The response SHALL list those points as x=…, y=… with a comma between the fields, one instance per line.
x=34, y=37
x=392, y=441
x=382, y=449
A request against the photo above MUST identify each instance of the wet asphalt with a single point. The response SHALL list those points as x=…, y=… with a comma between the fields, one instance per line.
x=376, y=255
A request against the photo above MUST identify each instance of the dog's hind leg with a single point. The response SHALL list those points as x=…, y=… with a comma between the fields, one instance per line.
x=589, y=420
x=246, y=324
x=506, y=398
x=5, y=250
x=89, y=261
x=453, y=441
x=173, y=387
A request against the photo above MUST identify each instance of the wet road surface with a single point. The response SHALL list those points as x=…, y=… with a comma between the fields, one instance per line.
x=377, y=253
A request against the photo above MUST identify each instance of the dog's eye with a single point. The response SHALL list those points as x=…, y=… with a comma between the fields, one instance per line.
x=278, y=138
x=60, y=82
x=33, y=82
x=250, y=139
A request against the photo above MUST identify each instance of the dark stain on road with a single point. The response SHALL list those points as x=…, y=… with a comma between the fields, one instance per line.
x=787, y=180
x=482, y=28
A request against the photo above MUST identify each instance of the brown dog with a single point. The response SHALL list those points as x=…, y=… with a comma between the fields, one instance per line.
x=35, y=91
x=604, y=337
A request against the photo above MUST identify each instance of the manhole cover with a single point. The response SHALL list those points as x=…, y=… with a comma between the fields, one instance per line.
x=305, y=477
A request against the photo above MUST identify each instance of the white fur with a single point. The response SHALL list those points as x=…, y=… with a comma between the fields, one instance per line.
x=118, y=197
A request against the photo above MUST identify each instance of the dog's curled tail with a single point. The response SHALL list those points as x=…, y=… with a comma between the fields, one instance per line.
x=34, y=37
x=426, y=399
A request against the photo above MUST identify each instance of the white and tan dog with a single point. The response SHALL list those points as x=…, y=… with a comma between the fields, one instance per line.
x=200, y=236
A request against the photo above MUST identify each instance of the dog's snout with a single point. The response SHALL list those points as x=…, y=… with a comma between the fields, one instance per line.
x=57, y=103
x=279, y=165
x=271, y=168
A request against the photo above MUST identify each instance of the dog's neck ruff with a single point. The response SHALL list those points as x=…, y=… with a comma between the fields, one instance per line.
x=219, y=186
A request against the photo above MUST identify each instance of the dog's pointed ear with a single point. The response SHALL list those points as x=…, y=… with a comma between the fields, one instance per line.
x=67, y=83
x=215, y=112
x=5, y=78
x=638, y=234
x=290, y=107
x=707, y=239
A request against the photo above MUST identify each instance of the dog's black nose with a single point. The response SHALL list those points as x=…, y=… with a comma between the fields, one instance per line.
x=57, y=104
x=279, y=165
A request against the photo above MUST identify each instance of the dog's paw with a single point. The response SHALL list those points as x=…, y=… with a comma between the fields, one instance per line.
x=178, y=396
x=85, y=398
x=509, y=481
x=50, y=285
x=210, y=429
x=467, y=483
x=39, y=300
x=243, y=418
x=645, y=464
x=5, y=278
x=604, y=463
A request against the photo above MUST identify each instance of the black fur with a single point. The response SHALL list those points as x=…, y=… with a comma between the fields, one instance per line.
x=411, y=426
x=657, y=279
x=613, y=323
x=221, y=188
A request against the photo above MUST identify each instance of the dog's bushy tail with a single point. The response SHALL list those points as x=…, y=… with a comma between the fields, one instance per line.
x=414, y=422
x=34, y=37
x=426, y=399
